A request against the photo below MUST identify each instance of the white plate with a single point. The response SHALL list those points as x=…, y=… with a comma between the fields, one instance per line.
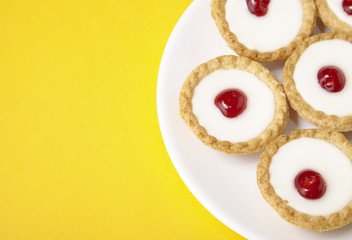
x=224, y=184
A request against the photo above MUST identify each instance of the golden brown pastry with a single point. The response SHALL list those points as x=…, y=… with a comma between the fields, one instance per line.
x=267, y=32
x=233, y=104
x=307, y=178
x=318, y=81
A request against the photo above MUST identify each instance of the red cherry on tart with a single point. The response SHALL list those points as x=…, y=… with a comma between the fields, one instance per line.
x=231, y=102
x=258, y=7
x=347, y=6
x=310, y=184
x=331, y=78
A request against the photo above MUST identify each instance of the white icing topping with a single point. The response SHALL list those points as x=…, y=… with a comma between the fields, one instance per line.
x=336, y=7
x=267, y=33
x=320, y=156
x=251, y=122
x=324, y=53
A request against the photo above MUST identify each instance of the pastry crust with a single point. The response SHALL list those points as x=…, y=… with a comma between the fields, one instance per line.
x=315, y=223
x=330, y=19
x=219, y=15
x=258, y=143
x=319, y=118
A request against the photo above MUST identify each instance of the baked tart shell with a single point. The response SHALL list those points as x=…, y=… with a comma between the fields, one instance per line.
x=258, y=143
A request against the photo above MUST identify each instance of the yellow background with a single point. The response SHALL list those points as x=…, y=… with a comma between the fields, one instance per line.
x=81, y=154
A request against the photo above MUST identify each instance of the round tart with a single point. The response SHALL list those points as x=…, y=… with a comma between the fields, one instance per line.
x=336, y=14
x=233, y=104
x=307, y=178
x=264, y=30
x=318, y=81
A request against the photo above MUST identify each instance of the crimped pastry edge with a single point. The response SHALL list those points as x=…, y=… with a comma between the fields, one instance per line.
x=318, y=118
x=258, y=143
x=309, y=18
x=330, y=19
x=306, y=221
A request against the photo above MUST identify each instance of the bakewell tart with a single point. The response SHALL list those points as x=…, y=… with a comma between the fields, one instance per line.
x=307, y=178
x=264, y=30
x=318, y=81
x=336, y=14
x=233, y=104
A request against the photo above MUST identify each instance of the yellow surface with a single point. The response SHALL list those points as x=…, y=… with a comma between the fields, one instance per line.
x=81, y=155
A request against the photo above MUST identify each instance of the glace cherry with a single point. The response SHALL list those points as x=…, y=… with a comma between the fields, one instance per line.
x=258, y=7
x=347, y=6
x=231, y=102
x=331, y=78
x=310, y=184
